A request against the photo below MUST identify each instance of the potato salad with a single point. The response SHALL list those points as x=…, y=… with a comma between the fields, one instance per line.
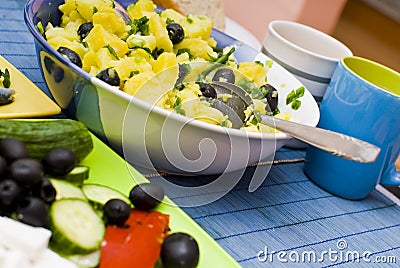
x=162, y=57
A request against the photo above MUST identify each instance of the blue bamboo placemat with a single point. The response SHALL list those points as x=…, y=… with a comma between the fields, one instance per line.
x=287, y=221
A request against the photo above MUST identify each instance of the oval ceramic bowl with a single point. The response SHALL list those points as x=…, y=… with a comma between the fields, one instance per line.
x=153, y=137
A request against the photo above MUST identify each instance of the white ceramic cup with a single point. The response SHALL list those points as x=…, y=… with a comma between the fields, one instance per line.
x=309, y=54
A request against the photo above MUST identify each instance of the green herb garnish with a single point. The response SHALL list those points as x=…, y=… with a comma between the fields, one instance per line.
x=293, y=98
x=189, y=20
x=185, y=50
x=178, y=106
x=256, y=118
x=112, y=51
x=157, y=52
x=169, y=21
x=95, y=10
x=134, y=72
x=40, y=28
x=269, y=63
x=6, y=78
x=139, y=25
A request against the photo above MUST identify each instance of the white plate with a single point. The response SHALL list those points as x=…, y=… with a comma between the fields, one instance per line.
x=236, y=30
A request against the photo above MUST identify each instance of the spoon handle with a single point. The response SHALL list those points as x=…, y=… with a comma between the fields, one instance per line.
x=335, y=143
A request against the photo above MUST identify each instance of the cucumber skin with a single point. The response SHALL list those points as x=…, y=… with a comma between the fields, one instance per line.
x=61, y=244
x=40, y=136
x=99, y=205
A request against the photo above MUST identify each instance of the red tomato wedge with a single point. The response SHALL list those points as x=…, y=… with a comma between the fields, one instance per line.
x=138, y=244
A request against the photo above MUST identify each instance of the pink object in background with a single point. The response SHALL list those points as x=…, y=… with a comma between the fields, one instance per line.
x=255, y=15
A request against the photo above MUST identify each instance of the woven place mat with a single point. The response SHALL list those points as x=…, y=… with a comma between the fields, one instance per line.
x=289, y=214
x=286, y=214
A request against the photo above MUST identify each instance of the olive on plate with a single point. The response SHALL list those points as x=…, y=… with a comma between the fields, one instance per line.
x=45, y=191
x=59, y=161
x=12, y=149
x=116, y=212
x=10, y=192
x=26, y=171
x=3, y=167
x=146, y=196
x=33, y=211
x=179, y=250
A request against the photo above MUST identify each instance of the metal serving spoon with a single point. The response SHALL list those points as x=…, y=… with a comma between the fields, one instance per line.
x=335, y=143
x=332, y=142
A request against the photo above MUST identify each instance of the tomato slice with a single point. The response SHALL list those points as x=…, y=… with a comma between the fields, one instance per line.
x=138, y=244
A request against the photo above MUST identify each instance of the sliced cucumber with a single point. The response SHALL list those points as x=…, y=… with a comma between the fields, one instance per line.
x=66, y=189
x=78, y=175
x=76, y=227
x=89, y=260
x=98, y=194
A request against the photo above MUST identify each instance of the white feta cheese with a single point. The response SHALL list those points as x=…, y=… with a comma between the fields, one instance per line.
x=14, y=235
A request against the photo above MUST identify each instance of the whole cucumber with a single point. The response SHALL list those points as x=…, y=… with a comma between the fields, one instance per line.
x=40, y=136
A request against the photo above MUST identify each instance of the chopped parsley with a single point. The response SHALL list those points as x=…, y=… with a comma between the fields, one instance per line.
x=269, y=63
x=185, y=50
x=139, y=25
x=157, y=52
x=134, y=72
x=112, y=51
x=178, y=106
x=189, y=19
x=40, y=28
x=256, y=118
x=169, y=21
x=95, y=10
x=293, y=98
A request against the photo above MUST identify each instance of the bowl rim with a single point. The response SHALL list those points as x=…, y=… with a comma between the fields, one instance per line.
x=274, y=32
x=28, y=17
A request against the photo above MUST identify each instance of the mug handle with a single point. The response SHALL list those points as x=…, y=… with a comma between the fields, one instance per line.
x=391, y=176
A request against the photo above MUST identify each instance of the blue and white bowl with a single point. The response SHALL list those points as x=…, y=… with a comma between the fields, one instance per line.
x=151, y=136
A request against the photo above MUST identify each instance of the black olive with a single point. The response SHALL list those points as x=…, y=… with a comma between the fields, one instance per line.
x=59, y=161
x=175, y=32
x=224, y=75
x=271, y=94
x=71, y=55
x=45, y=191
x=58, y=74
x=26, y=171
x=12, y=149
x=110, y=76
x=9, y=194
x=48, y=64
x=3, y=167
x=237, y=105
x=208, y=90
x=146, y=196
x=33, y=211
x=116, y=212
x=179, y=250
x=84, y=29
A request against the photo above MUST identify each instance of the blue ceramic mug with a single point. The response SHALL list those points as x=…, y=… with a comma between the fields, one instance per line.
x=362, y=100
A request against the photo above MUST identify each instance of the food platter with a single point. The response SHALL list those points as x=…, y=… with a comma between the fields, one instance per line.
x=29, y=101
x=108, y=168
